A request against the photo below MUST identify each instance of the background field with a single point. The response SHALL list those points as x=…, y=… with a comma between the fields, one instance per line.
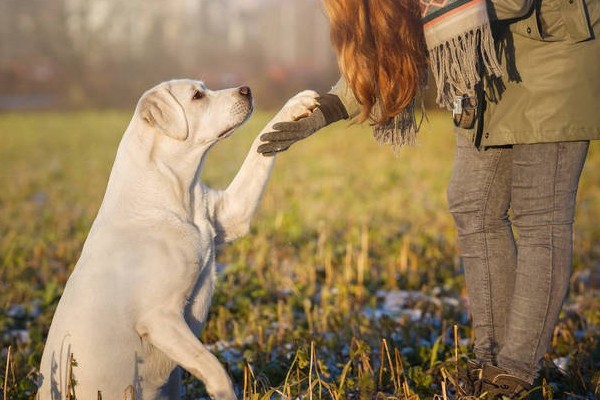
x=348, y=284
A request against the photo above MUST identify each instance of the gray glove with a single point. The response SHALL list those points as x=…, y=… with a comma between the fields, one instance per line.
x=329, y=110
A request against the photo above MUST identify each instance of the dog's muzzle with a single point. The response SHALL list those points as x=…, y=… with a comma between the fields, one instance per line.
x=240, y=110
x=244, y=106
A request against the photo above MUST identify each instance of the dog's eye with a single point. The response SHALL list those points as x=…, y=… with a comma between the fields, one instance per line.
x=197, y=95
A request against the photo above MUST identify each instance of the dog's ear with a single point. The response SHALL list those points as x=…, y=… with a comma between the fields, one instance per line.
x=161, y=110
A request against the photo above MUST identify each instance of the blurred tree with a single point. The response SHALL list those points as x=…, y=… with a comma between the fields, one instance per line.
x=106, y=52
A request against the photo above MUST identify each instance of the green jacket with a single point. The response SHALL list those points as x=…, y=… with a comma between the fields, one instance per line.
x=551, y=75
x=551, y=82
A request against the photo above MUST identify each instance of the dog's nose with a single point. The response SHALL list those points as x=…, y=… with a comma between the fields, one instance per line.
x=245, y=91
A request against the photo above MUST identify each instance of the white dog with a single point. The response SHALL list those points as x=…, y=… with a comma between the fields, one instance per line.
x=139, y=296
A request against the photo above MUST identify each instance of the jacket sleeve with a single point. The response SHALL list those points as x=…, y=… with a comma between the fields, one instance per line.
x=509, y=9
x=341, y=90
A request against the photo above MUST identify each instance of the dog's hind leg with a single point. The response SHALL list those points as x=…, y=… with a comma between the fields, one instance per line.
x=170, y=334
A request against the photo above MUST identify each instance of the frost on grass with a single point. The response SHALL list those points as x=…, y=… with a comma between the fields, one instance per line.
x=348, y=284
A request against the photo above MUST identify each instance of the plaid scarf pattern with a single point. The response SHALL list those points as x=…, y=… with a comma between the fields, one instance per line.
x=461, y=49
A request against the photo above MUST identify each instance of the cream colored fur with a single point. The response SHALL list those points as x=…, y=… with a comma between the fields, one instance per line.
x=139, y=295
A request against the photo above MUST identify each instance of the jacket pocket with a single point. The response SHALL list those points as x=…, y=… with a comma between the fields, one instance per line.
x=528, y=27
x=556, y=20
x=575, y=16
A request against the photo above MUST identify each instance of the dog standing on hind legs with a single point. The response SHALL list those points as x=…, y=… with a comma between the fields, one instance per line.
x=138, y=298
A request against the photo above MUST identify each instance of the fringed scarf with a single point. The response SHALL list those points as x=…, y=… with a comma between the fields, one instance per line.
x=461, y=48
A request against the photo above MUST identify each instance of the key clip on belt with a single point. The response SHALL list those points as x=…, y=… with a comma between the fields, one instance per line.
x=464, y=111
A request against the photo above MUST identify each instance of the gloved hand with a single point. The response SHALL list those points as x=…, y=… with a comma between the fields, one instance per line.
x=329, y=110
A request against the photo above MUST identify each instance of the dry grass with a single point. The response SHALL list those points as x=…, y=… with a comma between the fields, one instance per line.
x=348, y=285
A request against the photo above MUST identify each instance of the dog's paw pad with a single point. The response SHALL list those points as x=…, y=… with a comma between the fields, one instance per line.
x=302, y=104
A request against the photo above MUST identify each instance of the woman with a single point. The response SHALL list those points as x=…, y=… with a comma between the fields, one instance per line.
x=525, y=153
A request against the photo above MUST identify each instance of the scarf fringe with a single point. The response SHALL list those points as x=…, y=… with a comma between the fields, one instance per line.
x=454, y=64
x=400, y=130
x=458, y=62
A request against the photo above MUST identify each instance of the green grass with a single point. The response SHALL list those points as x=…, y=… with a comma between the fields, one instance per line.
x=344, y=223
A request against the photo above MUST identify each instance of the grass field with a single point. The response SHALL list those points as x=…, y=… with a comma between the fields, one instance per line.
x=348, y=286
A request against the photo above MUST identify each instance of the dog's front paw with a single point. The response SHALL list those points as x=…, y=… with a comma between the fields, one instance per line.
x=298, y=107
x=220, y=389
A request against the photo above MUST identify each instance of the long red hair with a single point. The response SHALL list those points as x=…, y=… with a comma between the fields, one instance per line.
x=381, y=52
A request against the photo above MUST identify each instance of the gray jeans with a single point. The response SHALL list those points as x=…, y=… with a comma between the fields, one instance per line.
x=516, y=281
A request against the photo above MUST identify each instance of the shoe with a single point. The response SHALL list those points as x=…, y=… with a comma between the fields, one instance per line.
x=499, y=384
x=470, y=378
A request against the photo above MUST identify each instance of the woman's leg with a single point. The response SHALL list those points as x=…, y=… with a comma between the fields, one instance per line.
x=544, y=186
x=479, y=198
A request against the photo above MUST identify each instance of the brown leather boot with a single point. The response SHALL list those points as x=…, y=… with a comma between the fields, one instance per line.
x=499, y=384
